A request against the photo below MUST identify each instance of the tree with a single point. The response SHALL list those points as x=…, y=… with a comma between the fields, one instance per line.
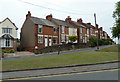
x=73, y=38
x=116, y=27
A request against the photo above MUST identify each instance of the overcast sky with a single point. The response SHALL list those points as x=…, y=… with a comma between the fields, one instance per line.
x=16, y=10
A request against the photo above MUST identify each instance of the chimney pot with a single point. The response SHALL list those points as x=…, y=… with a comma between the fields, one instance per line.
x=49, y=17
x=28, y=15
x=80, y=20
x=68, y=19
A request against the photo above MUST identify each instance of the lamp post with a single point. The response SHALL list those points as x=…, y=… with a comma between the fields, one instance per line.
x=58, y=40
x=97, y=32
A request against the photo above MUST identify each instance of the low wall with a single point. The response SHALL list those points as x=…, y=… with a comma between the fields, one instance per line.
x=61, y=47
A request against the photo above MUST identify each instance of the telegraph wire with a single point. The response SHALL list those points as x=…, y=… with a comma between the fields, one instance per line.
x=68, y=12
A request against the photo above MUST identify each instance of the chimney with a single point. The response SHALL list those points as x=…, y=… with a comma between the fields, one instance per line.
x=80, y=20
x=101, y=28
x=28, y=15
x=89, y=23
x=49, y=17
x=68, y=19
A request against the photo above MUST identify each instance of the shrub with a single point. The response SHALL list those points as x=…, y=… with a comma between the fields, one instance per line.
x=73, y=38
x=8, y=51
x=92, y=42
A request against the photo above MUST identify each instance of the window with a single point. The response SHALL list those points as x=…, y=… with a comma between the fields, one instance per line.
x=40, y=39
x=90, y=30
x=81, y=37
x=63, y=29
x=63, y=38
x=55, y=30
x=74, y=31
x=80, y=30
x=67, y=38
x=87, y=31
x=6, y=43
x=39, y=28
x=54, y=40
x=7, y=30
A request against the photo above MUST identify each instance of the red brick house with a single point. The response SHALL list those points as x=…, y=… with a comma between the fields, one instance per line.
x=65, y=29
x=38, y=32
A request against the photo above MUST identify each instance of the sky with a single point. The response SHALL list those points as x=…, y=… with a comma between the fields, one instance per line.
x=16, y=10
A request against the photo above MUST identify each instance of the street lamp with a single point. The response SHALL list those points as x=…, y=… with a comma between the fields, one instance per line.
x=97, y=32
x=97, y=35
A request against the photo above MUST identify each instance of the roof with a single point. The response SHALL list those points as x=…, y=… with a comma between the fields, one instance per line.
x=11, y=22
x=61, y=22
x=78, y=24
x=41, y=21
x=91, y=26
x=6, y=36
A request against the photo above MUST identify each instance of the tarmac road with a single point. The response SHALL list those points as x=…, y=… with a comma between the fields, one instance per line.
x=93, y=75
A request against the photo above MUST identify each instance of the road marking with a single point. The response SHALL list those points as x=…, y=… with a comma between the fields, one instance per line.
x=61, y=74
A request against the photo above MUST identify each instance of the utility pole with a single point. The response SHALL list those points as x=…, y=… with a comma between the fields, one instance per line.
x=97, y=31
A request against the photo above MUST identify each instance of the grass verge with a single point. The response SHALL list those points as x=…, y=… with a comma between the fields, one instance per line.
x=60, y=60
x=110, y=49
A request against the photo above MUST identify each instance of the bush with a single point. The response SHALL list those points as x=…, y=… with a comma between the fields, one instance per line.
x=73, y=38
x=8, y=51
x=92, y=42
x=19, y=48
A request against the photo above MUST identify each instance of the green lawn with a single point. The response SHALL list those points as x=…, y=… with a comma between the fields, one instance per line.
x=110, y=49
x=60, y=60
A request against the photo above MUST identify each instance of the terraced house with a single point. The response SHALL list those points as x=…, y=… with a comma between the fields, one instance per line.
x=65, y=29
x=39, y=32
x=8, y=34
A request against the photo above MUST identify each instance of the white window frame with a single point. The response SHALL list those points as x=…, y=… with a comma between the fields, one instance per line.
x=40, y=27
x=7, y=30
x=81, y=30
x=63, y=29
x=6, y=43
x=40, y=39
x=74, y=31
x=55, y=30
x=87, y=31
x=63, y=38
x=81, y=37
x=67, y=38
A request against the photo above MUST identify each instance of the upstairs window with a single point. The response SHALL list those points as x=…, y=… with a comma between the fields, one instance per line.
x=80, y=30
x=74, y=31
x=40, y=29
x=55, y=30
x=87, y=31
x=7, y=30
x=63, y=29
x=91, y=30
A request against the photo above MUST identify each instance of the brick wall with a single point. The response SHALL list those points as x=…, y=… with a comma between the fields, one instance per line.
x=63, y=47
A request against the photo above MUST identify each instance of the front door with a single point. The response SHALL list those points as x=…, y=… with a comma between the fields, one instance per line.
x=46, y=41
x=50, y=42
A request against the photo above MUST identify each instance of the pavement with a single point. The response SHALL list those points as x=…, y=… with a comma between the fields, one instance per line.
x=56, y=71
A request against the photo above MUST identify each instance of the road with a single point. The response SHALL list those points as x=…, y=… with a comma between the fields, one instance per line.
x=55, y=53
x=56, y=71
x=93, y=75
